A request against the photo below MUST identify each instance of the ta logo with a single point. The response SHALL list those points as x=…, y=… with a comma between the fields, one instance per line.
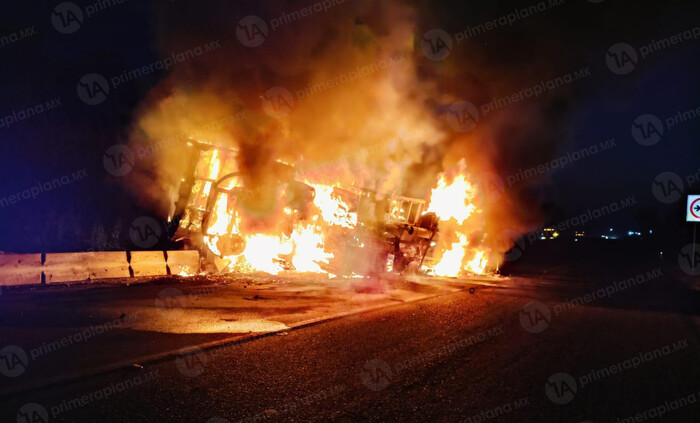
x=647, y=130
x=251, y=31
x=93, y=89
x=689, y=259
x=535, y=317
x=277, y=101
x=145, y=232
x=514, y=242
x=171, y=302
x=32, y=413
x=118, y=160
x=13, y=361
x=462, y=116
x=376, y=375
x=492, y=187
x=667, y=187
x=436, y=44
x=621, y=58
x=192, y=361
x=560, y=388
x=67, y=17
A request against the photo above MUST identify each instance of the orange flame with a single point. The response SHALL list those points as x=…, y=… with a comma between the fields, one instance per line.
x=451, y=262
x=454, y=205
x=452, y=200
x=304, y=249
x=333, y=210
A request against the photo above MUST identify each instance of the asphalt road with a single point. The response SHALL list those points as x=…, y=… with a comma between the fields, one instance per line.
x=529, y=351
x=56, y=333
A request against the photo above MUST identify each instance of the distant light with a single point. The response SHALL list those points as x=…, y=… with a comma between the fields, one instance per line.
x=576, y=240
x=542, y=237
x=610, y=229
x=650, y=231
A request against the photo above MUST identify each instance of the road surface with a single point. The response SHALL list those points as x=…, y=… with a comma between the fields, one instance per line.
x=519, y=350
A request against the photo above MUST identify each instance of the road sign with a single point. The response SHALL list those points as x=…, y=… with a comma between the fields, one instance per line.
x=693, y=210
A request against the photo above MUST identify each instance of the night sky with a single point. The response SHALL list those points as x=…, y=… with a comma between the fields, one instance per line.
x=47, y=64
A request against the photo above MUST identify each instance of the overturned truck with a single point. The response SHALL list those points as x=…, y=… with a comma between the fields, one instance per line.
x=279, y=224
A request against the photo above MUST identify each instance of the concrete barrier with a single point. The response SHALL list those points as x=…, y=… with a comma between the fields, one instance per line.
x=108, y=264
x=184, y=262
x=20, y=269
x=27, y=269
x=76, y=267
x=148, y=263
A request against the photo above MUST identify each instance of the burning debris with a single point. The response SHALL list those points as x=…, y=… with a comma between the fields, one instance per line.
x=310, y=227
x=346, y=179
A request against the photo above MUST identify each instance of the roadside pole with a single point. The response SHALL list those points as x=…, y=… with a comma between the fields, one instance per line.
x=695, y=228
x=692, y=215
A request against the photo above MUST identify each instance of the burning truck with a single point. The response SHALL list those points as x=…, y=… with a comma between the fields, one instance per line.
x=281, y=222
x=348, y=157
